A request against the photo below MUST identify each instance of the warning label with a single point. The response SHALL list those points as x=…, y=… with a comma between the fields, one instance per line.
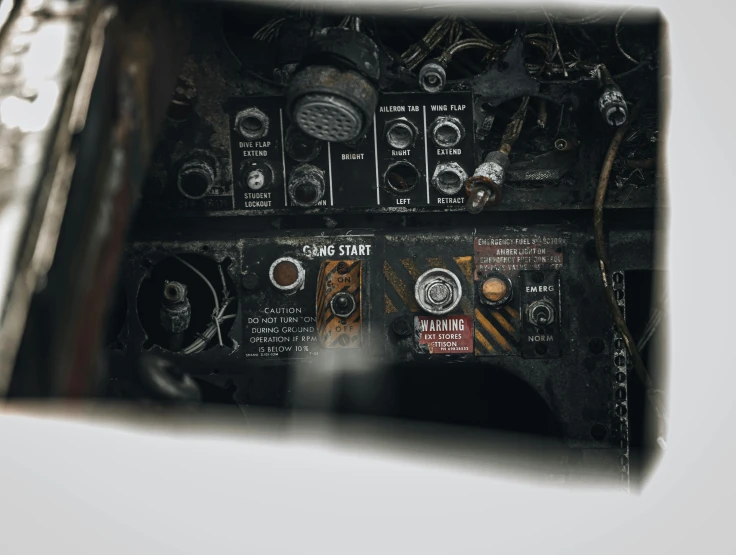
x=512, y=253
x=444, y=335
x=281, y=332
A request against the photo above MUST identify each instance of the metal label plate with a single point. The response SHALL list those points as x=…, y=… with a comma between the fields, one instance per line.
x=444, y=335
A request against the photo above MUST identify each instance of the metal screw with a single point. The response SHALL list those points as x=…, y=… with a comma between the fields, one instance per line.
x=401, y=326
x=250, y=281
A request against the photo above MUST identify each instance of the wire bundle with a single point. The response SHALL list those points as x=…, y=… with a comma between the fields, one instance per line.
x=419, y=51
x=270, y=30
x=218, y=314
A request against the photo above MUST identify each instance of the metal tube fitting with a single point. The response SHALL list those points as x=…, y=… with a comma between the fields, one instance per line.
x=612, y=106
x=400, y=133
x=446, y=131
x=251, y=123
x=195, y=178
x=484, y=188
x=432, y=76
x=306, y=185
x=449, y=178
x=611, y=103
x=176, y=310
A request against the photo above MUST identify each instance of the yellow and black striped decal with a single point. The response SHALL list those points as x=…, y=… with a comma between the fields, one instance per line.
x=402, y=274
x=336, y=276
x=497, y=331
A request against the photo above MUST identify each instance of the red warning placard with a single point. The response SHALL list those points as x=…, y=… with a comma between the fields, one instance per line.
x=444, y=335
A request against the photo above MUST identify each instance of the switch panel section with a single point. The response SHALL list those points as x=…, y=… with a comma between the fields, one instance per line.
x=305, y=294
x=540, y=314
x=500, y=261
x=424, y=146
x=339, y=304
x=428, y=294
x=256, y=149
x=395, y=296
x=417, y=155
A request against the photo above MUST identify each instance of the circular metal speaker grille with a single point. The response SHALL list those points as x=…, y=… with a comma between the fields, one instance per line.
x=328, y=118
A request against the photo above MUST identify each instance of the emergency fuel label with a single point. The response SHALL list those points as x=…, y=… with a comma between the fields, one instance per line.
x=285, y=331
x=511, y=253
x=444, y=335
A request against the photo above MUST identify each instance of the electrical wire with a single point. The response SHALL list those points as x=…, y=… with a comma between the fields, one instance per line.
x=464, y=44
x=225, y=292
x=472, y=29
x=513, y=129
x=654, y=396
x=214, y=294
x=270, y=30
x=201, y=275
x=494, y=47
x=618, y=42
x=456, y=31
x=558, y=51
x=600, y=246
x=646, y=60
x=562, y=117
x=351, y=22
x=655, y=319
x=201, y=342
x=243, y=67
x=541, y=46
x=419, y=51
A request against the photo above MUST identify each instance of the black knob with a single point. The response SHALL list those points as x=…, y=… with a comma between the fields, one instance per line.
x=343, y=305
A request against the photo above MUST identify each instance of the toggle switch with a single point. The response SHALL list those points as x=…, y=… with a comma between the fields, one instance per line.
x=343, y=304
x=541, y=313
x=338, y=304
